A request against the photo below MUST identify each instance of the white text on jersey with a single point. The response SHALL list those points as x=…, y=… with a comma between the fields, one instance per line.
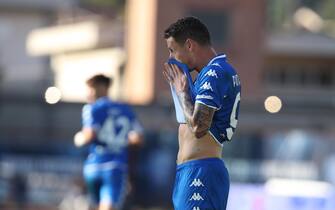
x=236, y=80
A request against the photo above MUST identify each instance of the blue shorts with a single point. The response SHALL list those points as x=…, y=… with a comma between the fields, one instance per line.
x=201, y=185
x=106, y=184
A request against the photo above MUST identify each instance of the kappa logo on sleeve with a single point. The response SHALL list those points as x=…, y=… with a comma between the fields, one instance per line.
x=207, y=86
x=211, y=73
x=196, y=197
x=197, y=183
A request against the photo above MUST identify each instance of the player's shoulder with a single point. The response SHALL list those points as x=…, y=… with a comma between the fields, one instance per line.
x=214, y=70
x=87, y=108
x=123, y=107
x=101, y=102
x=100, y=105
x=223, y=68
x=120, y=104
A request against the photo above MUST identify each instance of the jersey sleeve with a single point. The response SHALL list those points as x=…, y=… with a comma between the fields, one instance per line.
x=212, y=88
x=135, y=124
x=90, y=117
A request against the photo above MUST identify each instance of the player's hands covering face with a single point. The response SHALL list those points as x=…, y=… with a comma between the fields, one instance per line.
x=176, y=77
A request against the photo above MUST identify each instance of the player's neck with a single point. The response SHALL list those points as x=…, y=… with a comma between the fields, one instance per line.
x=204, y=57
x=100, y=96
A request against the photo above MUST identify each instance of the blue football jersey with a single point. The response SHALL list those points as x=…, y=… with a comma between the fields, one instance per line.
x=112, y=122
x=218, y=86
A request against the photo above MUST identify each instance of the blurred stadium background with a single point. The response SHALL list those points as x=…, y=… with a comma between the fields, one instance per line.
x=283, y=154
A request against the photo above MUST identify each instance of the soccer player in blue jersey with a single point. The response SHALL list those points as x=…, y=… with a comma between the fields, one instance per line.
x=108, y=128
x=210, y=108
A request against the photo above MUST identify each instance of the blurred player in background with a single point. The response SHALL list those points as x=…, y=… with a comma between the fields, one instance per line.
x=210, y=108
x=108, y=129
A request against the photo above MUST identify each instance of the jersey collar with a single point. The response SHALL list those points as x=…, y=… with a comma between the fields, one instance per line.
x=103, y=98
x=219, y=56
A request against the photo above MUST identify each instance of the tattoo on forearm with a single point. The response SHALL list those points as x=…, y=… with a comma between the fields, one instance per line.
x=188, y=106
x=199, y=117
x=202, y=118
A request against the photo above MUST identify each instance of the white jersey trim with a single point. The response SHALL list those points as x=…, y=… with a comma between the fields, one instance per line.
x=217, y=57
x=217, y=141
x=213, y=107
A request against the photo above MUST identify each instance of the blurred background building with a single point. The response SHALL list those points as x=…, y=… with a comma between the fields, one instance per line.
x=283, y=50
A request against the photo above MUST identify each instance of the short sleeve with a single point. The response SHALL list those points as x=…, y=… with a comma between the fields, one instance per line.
x=211, y=88
x=134, y=122
x=89, y=117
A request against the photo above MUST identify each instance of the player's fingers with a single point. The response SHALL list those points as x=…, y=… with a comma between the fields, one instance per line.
x=171, y=70
x=175, y=69
x=168, y=72
x=178, y=71
x=167, y=69
x=184, y=76
x=167, y=77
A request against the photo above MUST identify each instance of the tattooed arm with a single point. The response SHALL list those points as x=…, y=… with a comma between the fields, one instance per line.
x=198, y=116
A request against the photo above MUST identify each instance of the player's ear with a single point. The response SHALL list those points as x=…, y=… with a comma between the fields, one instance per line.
x=188, y=44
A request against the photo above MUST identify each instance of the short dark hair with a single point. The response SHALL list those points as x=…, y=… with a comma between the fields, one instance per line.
x=188, y=27
x=99, y=79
